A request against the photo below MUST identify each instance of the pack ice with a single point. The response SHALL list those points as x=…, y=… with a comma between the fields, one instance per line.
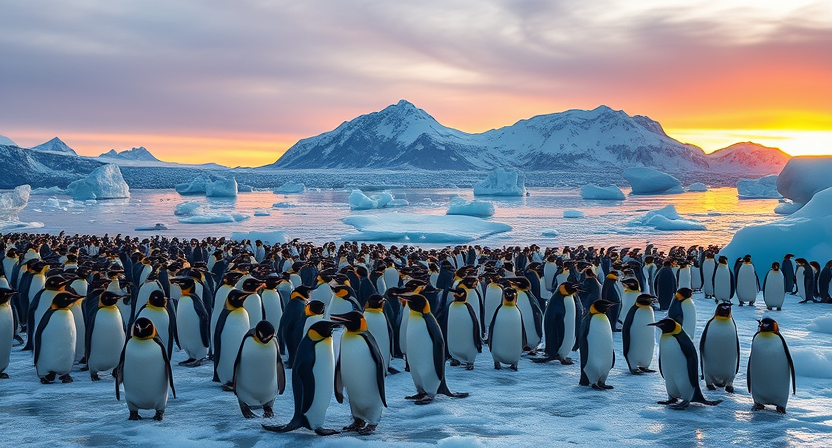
x=413, y=228
x=360, y=201
x=667, y=218
x=105, y=182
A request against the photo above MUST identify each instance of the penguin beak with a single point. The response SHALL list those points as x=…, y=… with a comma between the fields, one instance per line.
x=654, y=324
x=339, y=318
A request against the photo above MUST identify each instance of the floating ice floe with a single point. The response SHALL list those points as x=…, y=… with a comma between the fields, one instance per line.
x=697, y=187
x=152, y=227
x=762, y=188
x=413, y=228
x=214, y=218
x=187, y=208
x=786, y=207
x=550, y=232
x=244, y=188
x=267, y=237
x=608, y=193
x=196, y=186
x=667, y=218
x=573, y=214
x=262, y=212
x=47, y=191
x=650, y=181
x=290, y=188
x=12, y=202
x=221, y=188
x=502, y=183
x=804, y=176
x=807, y=233
x=105, y=182
x=461, y=206
x=360, y=201
x=283, y=205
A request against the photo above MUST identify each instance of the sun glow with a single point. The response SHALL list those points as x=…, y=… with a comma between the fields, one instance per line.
x=792, y=142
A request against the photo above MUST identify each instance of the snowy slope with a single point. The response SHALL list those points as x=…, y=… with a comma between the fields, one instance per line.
x=748, y=157
x=55, y=145
x=6, y=141
x=138, y=154
x=41, y=168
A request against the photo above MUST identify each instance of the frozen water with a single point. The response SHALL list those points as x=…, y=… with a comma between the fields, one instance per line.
x=196, y=186
x=787, y=207
x=550, y=232
x=611, y=192
x=697, y=187
x=667, y=218
x=821, y=324
x=208, y=218
x=290, y=187
x=283, y=205
x=11, y=203
x=262, y=212
x=502, y=183
x=222, y=188
x=762, y=188
x=802, y=177
x=187, y=208
x=267, y=237
x=461, y=206
x=573, y=214
x=105, y=182
x=397, y=203
x=413, y=228
x=48, y=191
x=650, y=181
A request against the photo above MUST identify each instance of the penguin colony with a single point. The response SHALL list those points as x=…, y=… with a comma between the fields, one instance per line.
x=332, y=318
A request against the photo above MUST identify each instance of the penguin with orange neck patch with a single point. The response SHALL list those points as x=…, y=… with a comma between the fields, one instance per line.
x=144, y=369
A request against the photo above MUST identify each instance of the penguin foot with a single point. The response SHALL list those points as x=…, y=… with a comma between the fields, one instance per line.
x=544, y=359
x=84, y=368
x=94, y=376
x=636, y=371
x=780, y=410
x=513, y=367
x=742, y=303
x=268, y=412
x=729, y=389
x=187, y=361
x=750, y=303
x=427, y=400
x=326, y=432
x=711, y=403
x=159, y=415
x=646, y=370
x=281, y=428
x=758, y=407
x=228, y=387
x=670, y=400
x=246, y=410
x=567, y=361
x=602, y=386
x=778, y=308
x=680, y=406
x=4, y=376
x=367, y=430
x=392, y=371
x=768, y=308
x=18, y=341
x=134, y=415
x=457, y=394
x=418, y=396
x=455, y=362
x=355, y=426
x=49, y=378
x=497, y=365
x=469, y=366
x=710, y=387
x=65, y=378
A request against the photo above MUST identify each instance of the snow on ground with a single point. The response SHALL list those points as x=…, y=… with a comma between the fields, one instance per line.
x=269, y=237
x=697, y=187
x=461, y=206
x=290, y=187
x=802, y=177
x=649, y=181
x=105, y=182
x=667, y=218
x=611, y=192
x=540, y=405
x=412, y=228
x=502, y=183
x=762, y=188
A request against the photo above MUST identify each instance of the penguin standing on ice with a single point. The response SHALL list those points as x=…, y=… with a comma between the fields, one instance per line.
x=160, y=311
x=559, y=324
x=7, y=327
x=259, y=375
x=272, y=303
x=144, y=368
x=609, y=292
x=787, y=267
x=748, y=284
x=464, y=337
x=683, y=311
x=665, y=285
x=597, y=355
x=192, y=323
x=232, y=326
x=628, y=298
x=507, y=335
x=719, y=347
x=678, y=364
x=290, y=330
x=380, y=327
x=770, y=368
x=774, y=287
x=638, y=339
x=707, y=271
x=55, y=340
x=723, y=280
x=104, y=335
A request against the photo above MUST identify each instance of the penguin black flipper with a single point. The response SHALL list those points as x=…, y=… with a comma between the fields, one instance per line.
x=379, y=361
x=689, y=351
x=118, y=372
x=172, y=331
x=39, y=333
x=218, y=341
x=738, y=349
x=584, y=350
x=204, y=325
x=30, y=316
x=303, y=381
x=339, y=381
x=438, y=344
x=477, y=332
x=674, y=311
x=791, y=364
x=625, y=334
x=158, y=342
x=281, y=373
x=702, y=338
x=248, y=334
x=491, y=325
x=89, y=327
x=537, y=314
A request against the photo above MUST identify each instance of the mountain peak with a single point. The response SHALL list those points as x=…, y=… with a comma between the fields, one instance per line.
x=138, y=154
x=752, y=157
x=7, y=141
x=55, y=145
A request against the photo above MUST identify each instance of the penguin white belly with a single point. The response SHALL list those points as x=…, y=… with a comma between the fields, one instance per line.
x=37, y=283
x=125, y=310
x=775, y=292
x=160, y=320
x=473, y=298
x=254, y=307
x=295, y=280
x=696, y=279
x=236, y=327
x=628, y=299
x=599, y=340
x=799, y=283
x=219, y=304
x=57, y=345
x=708, y=267
x=685, y=279
x=176, y=292
x=768, y=368
x=746, y=284
x=722, y=284
x=323, y=293
x=403, y=328
x=377, y=326
x=80, y=287
x=420, y=356
x=106, y=341
x=525, y=307
x=433, y=277
x=380, y=285
x=144, y=295
x=549, y=270
x=6, y=334
x=642, y=339
x=391, y=279
x=338, y=306
x=506, y=344
x=311, y=320
x=674, y=367
x=493, y=299
x=272, y=307
x=562, y=277
x=43, y=305
x=719, y=353
x=80, y=328
x=145, y=375
x=324, y=373
x=257, y=373
x=188, y=329
x=689, y=313
x=568, y=327
x=358, y=374
x=461, y=333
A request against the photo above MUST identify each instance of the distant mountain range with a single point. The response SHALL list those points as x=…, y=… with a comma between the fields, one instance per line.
x=55, y=145
x=140, y=154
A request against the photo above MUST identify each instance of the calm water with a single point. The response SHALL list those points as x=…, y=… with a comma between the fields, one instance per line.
x=316, y=215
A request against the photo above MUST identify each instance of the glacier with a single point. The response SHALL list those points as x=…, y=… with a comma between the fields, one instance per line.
x=667, y=218
x=104, y=182
x=221, y=188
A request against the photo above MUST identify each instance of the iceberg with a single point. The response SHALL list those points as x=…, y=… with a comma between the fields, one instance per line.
x=12, y=202
x=697, y=187
x=214, y=218
x=609, y=193
x=187, y=208
x=290, y=188
x=650, y=181
x=573, y=214
x=666, y=218
x=787, y=207
x=244, y=188
x=804, y=176
x=461, y=206
x=196, y=186
x=360, y=201
x=762, y=188
x=105, y=182
x=262, y=212
x=550, y=233
x=413, y=228
x=807, y=233
x=267, y=237
x=502, y=183
x=283, y=205
x=222, y=188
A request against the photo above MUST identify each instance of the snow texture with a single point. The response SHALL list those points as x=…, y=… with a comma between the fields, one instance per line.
x=461, y=206
x=762, y=188
x=502, y=183
x=667, y=218
x=649, y=181
x=267, y=237
x=12, y=202
x=610, y=193
x=196, y=186
x=413, y=228
x=55, y=145
x=804, y=176
x=221, y=188
x=187, y=208
x=104, y=182
x=697, y=187
x=573, y=214
x=821, y=324
x=290, y=188
x=47, y=191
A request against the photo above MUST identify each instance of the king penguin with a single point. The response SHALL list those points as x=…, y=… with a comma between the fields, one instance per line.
x=272, y=303
x=707, y=269
x=232, y=326
x=597, y=355
x=144, y=368
x=507, y=334
x=683, y=311
x=192, y=323
x=748, y=284
x=774, y=288
x=160, y=312
x=638, y=339
x=719, y=347
x=770, y=368
x=723, y=280
x=259, y=375
x=379, y=325
x=464, y=337
x=559, y=324
x=7, y=327
x=55, y=340
x=290, y=330
x=104, y=335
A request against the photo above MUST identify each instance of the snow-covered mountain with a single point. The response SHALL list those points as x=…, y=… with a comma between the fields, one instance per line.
x=41, y=168
x=138, y=154
x=55, y=145
x=750, y=158
x=7, y=141
x=404, y=136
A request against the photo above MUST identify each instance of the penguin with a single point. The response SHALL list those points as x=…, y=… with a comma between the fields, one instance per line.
x=628, y=298
x=41, y=303
x=683, y=311
x=228, y=282
x=272, y=303
x=232, y=326
x=343, y=300
x=55, y=340
x=723, y=280
x=322, y=291
x=787, y=267
x=637, y=337
x=147, y=288
x=313, y=381
x=379, y=325
x=684, y=276
x=314, y=312
x=550, y=269
x=559, y=324
x=774, y=288
x=507, y=335
x=609, y=292
x=493, y=298
x=360, y=370
x=105, y=337
x=259, y=375
x=529, y=307
x=290, y=330
x=192, y=323
x=253, y=303
x=160, y=312
x=7, y=328
x=719, y=347
x=464, y=338
x=648, y=271
x=425, y=352
x=707, y=271
x=678, y=364
x=144, y=369
x=597, y=355
x=748, y=284
x=470, y=285
x=770, y=367
x=664, y=286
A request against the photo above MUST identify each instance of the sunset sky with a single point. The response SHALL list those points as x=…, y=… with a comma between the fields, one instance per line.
x=239, y=82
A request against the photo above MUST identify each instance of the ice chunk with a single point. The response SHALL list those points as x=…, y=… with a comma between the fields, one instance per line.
x=650, y=181
x=397, y=203
x=804, y=176
x=244, y=188
x=610, y=193
x=105, y=182
x=153, y=227
x=550, y=232
x=240, y=217
x=222, y=188
x=413, y=228
x=208, y=218
x=12, y=202
x=762, y=188
x=48, y=191
x=267, y=237
x=807, y=233
x=460, y=206
x=360, y=201
x=813, y=362
x=283, y=205
x=667, y=218
x=262, y=212
x=187, y=208
x=196, y=186
x=52, y=202
x=821, y=324
x=573, y=214
x=787, y=207
x=290, y=188
x=502, y=183
x=697, y=187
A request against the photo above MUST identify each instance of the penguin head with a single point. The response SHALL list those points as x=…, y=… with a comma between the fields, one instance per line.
x=314, y=308
x=56, y=283
x=64, y=300
x=231, y=278
x=723, y=260
x=235, y=299
x=417, y=302
x=631, y=284
x=775, y=266
x=251, y=285
x=302, y=293
x=668, y=326
x=746, y=259
x=521, y=283
x=264, y=332
x=460, y=295
x=143, y=329
x=375, y=302
x=186, y=284
x=769, y=325
x=157, y=298
x=645, y=300
x=341, y=291
x=601, y=306
x=509, y=297
x=569, y=288
x=684, y=293
x=353, y=321
x=321, y=330
x=613, y=275
x=109, y=298
x=272, y=281
x=723, y=310
x=6, y=295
